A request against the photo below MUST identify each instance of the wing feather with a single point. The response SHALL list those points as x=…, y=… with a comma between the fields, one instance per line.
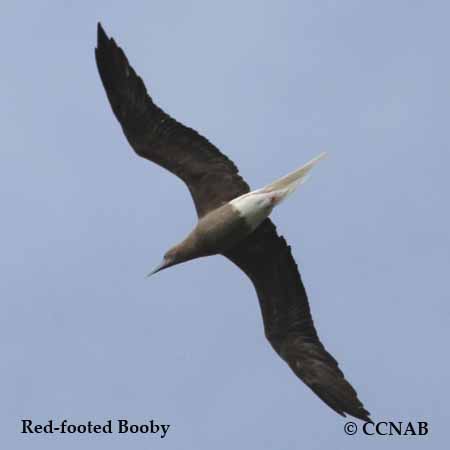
x=212, y=178
x=267, y=260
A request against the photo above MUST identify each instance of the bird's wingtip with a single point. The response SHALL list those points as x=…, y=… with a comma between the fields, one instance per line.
x=101, y=35
x=359, y=412
x=362, y=414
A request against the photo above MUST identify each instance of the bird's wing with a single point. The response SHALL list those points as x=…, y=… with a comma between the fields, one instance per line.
x=267, y=260
x=211, y=177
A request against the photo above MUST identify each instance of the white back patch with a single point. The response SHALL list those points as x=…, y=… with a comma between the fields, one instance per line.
x=254, y=207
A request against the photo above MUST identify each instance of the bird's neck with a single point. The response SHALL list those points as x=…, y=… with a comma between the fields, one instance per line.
x=191, y=247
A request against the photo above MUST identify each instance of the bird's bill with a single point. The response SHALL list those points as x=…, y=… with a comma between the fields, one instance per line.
x=162, y=266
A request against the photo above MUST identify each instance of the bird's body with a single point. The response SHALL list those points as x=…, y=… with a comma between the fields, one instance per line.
x=224, y=227
x=233, y=221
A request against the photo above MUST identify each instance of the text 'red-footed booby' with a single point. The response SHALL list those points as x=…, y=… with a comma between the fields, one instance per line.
x=233, y=222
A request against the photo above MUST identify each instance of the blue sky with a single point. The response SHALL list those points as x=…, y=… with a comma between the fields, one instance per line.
x=84, y=336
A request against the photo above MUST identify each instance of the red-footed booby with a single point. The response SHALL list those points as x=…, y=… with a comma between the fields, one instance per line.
x=233, y=222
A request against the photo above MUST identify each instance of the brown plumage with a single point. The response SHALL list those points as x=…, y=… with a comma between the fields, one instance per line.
x=213, y=180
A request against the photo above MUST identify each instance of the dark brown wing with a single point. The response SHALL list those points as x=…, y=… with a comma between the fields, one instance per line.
x=211, y=177
x=267, y=260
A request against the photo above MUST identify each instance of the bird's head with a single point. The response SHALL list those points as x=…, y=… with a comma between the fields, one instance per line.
x=172, y=257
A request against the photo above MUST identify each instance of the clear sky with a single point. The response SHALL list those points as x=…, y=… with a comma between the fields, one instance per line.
x=84, y=336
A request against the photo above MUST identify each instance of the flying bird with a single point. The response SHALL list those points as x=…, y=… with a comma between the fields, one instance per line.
x=232, y=221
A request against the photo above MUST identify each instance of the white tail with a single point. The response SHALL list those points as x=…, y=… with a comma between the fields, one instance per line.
x=255, y=206
x=292, y=180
